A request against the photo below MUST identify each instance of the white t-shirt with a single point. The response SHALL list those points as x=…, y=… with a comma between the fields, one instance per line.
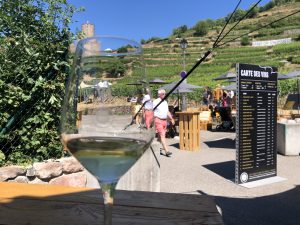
x=162, y=110
x=100, y=84
x=148, y=105
x=105, y=84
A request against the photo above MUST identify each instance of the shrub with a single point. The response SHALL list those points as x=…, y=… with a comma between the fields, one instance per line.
x=34, y=46
x=201, y=28
x=245, y=41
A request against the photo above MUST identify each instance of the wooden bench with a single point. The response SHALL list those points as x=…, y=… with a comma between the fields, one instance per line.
x=56, y=205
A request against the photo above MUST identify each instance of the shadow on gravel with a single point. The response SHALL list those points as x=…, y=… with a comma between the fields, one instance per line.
x=176, y=145
x=279, y=209
x=223, y=169
x=221, y=143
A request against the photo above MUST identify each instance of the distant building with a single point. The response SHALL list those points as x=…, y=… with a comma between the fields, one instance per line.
x=88, y=29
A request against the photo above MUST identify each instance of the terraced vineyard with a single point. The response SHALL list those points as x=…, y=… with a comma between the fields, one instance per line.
x=164, y=57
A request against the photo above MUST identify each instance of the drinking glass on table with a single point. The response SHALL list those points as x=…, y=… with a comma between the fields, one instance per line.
x=100, y=131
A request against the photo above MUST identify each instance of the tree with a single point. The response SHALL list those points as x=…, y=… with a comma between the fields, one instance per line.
x=210, y=23
x=253, y=12
x=116, y=68
x=239, y=13
x=201, y=28
x=281, y=2
x=180, y=30
x=268, y=6
x=34, y=41
x=143, y=41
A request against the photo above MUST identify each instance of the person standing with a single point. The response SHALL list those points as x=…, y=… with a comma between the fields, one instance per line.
x=218, y=93
x=225, y=101
x=147, y=108
x=207, y=95
x=161, y=114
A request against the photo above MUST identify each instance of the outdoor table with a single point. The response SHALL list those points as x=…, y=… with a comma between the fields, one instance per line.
x=37, y=204
x=189, y=130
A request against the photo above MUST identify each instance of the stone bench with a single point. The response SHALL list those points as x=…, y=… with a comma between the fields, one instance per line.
x=288, y=136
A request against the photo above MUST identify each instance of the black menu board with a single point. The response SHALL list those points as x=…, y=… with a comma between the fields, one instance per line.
x=256, y=123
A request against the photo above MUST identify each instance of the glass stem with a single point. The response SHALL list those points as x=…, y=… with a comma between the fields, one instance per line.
x=108, y=191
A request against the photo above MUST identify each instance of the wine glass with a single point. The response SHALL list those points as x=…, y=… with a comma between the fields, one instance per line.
x=99, y=126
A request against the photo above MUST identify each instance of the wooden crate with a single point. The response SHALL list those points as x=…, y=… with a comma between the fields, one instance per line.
x=189, y=131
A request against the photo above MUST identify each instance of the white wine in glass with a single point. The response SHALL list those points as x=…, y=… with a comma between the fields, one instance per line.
x=99, y=126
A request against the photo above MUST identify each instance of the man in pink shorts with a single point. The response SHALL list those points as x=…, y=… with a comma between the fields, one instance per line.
x=161, y=114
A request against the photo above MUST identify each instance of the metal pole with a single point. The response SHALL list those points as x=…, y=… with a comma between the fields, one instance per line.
x=183, y=105
x=184, y=59
x=298, y=94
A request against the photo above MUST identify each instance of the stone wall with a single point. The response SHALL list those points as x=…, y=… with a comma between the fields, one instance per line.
x=143, y=176
x=65, y=171
x=271, y=42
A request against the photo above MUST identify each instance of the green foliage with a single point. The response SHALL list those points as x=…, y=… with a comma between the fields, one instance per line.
x=253, y=12
x=239, y=13
x=296, y=60
x=293, y=47
x=268, y=6
x=282, y=2
x=201, y=28
x=116, y=68
x=288, y=86
x=152, y=39
x=297, y=38
x=2, y=158
x=245, y=41
x=34, y=40
x=180, y=30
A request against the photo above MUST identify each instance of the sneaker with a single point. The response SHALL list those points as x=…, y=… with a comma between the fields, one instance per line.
x=168, y=154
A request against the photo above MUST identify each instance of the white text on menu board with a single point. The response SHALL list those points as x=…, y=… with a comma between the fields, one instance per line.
x=254, y=73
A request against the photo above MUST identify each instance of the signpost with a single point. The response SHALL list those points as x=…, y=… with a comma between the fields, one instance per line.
x=256, y=123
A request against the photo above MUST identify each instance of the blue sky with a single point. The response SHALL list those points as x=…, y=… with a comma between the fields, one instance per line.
x=141, y=19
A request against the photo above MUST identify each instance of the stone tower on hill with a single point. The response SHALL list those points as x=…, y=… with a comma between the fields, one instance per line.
x=92, y=46
x=88, y=29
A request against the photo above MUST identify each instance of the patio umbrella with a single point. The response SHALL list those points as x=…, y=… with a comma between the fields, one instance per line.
x=183, y=100
x=136, y=83
x=157, y=81
x=282, y=76
x=182, y=86
x=293, y=74
x=226, y=76
x=231, y=87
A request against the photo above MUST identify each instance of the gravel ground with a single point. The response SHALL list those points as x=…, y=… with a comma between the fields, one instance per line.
x=211, y=171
